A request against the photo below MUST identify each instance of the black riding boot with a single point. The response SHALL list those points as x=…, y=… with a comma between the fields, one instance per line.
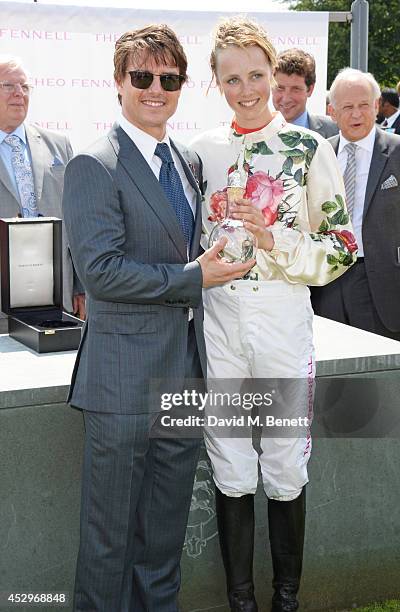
x=286, y=536
x=235, y=517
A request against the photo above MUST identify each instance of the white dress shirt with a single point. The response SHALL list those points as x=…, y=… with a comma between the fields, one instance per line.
x=364, y=151
x=147, y=145
x=6, y=152
x=302, y=120
x=390, y=120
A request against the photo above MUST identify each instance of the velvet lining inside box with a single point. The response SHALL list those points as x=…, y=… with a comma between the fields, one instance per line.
x=31, y=285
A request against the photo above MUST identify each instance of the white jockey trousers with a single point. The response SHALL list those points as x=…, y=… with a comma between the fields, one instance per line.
x=263, y=330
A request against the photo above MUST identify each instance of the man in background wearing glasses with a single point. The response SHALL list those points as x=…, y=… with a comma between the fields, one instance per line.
x=132, y=209
x=32, y=164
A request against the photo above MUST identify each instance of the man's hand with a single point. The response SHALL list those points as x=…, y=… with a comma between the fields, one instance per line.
x=216, y=271
x=79, y=305
x=254, y=221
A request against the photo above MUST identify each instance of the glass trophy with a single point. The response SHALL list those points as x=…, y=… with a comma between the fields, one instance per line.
x=242, y=244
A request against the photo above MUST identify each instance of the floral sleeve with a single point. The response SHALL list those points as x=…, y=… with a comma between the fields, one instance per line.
x=316, y=244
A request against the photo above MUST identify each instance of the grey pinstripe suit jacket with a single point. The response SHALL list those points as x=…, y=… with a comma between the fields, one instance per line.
x=381, y=227
x=45, y=147
x=130, y=254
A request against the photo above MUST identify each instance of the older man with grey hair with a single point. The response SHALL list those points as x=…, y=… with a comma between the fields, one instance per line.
x=367, y=296
x=32, y=164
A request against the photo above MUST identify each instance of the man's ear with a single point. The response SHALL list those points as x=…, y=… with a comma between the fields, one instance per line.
x=118, y=86
x=331, y=111
x=310, y=90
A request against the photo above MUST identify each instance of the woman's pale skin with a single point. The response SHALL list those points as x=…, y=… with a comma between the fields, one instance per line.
x=244, y=77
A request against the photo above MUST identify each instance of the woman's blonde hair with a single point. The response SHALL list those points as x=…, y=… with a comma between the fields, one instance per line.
x=241, y=32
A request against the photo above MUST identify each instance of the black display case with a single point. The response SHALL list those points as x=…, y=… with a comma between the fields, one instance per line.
x=31, y=285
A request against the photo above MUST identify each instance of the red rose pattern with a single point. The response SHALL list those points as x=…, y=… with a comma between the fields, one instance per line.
x=266, y=193
x=218, y=203
x=348, y=239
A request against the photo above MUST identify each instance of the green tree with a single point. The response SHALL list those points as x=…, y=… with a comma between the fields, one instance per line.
x=383, y=43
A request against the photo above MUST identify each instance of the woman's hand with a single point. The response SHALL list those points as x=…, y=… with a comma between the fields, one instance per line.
x=254, y=221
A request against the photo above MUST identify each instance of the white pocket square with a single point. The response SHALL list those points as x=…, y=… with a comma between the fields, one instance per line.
x=390, y=182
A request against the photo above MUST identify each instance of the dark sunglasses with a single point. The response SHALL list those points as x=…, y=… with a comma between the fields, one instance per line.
x=142, y=80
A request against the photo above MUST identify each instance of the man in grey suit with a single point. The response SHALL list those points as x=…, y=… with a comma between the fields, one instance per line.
x=295, y=81
x=28, y=152
x=368, y=296
x=132, y=209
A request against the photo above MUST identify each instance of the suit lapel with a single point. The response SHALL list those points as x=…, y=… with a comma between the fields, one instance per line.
x=37, y=160
x=6, y=181
x=378, y=163
x=192, y=181
x=183, y=155
x=396, y=124
x=314, y=123
x=335, y=143
x=141, y=174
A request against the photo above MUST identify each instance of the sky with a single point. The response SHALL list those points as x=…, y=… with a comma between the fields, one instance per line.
x=206, y=5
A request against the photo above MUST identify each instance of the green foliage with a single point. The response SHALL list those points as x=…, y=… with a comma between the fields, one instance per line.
x=287, y=166
x=296, y=154
x=291, y=139
x=298, y=177
x=260, y=148
x=329, y=207
x=384, y=37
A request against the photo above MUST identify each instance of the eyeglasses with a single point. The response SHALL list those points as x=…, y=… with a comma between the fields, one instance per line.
x=142, y=80
x=9, y=88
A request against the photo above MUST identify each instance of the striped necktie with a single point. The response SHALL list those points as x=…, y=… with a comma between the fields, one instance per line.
x=23, y=175
x=349, y=177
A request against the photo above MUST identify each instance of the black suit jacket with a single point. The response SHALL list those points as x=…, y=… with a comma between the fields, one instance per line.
x=381, y=227
x=396, y=126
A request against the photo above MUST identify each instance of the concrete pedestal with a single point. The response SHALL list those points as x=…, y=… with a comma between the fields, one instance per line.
x=352, y=550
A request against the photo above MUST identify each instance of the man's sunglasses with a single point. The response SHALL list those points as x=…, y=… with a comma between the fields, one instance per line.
x=142, y=80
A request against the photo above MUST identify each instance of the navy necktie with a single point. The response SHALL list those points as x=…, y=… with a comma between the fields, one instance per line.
x=171, y=183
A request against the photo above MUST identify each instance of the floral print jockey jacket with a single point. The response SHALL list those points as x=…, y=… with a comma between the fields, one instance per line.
x=292, y=175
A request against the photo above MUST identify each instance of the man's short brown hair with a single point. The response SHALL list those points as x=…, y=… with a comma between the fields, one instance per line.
x=157, y=41
x=297, y=61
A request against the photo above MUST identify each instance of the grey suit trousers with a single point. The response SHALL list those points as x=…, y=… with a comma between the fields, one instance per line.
x=348, y=300
x=142, y=486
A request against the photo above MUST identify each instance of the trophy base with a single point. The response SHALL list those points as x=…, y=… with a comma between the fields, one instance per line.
x=241, y=245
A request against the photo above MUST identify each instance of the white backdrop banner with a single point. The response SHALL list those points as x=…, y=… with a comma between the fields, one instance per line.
x=68, y=51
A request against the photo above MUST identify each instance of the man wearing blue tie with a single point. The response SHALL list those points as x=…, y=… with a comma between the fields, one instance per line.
x=132, y=209
x=32, y=164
